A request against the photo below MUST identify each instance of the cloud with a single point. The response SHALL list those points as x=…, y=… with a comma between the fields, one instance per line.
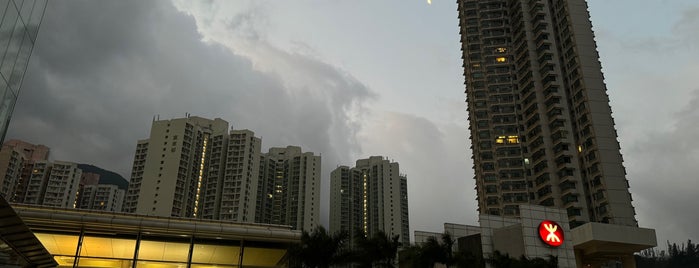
x=435, y=160
x=96, y=79
x=663, y=176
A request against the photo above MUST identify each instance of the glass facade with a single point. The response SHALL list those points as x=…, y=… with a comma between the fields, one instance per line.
x=19, y=25
x=119, y=250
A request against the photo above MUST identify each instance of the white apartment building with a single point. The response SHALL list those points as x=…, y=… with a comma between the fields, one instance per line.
x=11, y=163
x=104, y=197
x=369, y=197
x=288, y=191
x=53, y=184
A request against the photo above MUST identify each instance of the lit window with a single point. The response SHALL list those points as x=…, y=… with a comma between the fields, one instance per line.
x=512, y=139
x=501, y=59
x=501, y=50
x=579, y=149
x=476, y=65
x=500, y=139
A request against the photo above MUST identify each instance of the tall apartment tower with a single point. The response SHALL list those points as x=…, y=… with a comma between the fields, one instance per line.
x=369, y=197
x=170, y=167
x=231, y=184
x=95, y=196
x=288, y=191
x=540, y=121
x=53, y=184
x=105, y=197
x=30, y=153
x=194, y=167
x=11, y=163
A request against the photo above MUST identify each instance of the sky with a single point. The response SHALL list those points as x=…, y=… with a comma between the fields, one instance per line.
x=348, y=80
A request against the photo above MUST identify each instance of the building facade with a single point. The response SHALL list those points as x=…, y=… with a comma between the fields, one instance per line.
x=288, y=191
x=16, y=161
x=104, y=197
x=53, y=184
x=195, y=167
x=11, y=163
x=370, y=197
x=540, y=121
x=19, y=25
x=170, y=167
x=231, y=186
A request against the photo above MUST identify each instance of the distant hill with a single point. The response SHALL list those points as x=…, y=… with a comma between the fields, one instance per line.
x=106, y=176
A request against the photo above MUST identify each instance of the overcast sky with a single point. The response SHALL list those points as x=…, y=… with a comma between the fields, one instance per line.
x=349, y=79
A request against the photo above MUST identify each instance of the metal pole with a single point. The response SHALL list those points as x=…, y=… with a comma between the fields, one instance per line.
x=80, y=246
x=191, y=250
x=242, y=250
x=135, y=252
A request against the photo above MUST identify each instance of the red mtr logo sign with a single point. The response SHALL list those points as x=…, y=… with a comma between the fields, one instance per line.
x=551, y=233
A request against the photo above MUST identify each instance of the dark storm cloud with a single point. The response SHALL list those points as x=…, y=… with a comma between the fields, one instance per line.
x=663, y=175
x=101, y=70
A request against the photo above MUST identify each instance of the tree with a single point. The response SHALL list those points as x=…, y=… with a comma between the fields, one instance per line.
x=499, y=260
x=434, y=251
x=319, y=249
x=379, y=250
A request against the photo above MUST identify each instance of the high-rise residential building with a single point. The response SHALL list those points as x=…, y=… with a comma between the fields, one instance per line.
x=53, y=184
x=195, y=167
x=11, y=163
x=540, y=121
x=106, y=197
x=15, y=152
x=32, y=152
x=95, y=196
x=231, y=184
x=170, y=167
x=370, y=197
x=19, y=25
x=288, y=191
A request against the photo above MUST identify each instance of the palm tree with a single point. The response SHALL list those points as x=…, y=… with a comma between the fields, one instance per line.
x=319, y=249
x=379, y=250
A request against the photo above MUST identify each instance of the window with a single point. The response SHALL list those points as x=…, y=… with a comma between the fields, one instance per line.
x=500, y=59
x=501, y=50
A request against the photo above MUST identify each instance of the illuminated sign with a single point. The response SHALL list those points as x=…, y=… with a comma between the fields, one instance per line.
x=551, y=233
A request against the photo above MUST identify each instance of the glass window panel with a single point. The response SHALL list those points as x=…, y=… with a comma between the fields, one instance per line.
x=98, y=263
x=108, y=247
x=21, y=64
x=26, y=10
x=59, y=244
x=212, y=266
x=4, y=4
x=163, y=251
x=6, y=28
x=8, y=62
x=35, y=19
x=151, y=264
x=215, y=254
x=253, y=256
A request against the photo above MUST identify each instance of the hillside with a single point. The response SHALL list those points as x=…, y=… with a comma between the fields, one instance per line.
x=106, y=176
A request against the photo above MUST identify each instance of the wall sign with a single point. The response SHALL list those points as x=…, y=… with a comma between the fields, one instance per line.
x=551, y=233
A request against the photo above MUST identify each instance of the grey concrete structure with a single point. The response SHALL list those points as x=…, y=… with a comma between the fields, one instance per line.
x=369, y=197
